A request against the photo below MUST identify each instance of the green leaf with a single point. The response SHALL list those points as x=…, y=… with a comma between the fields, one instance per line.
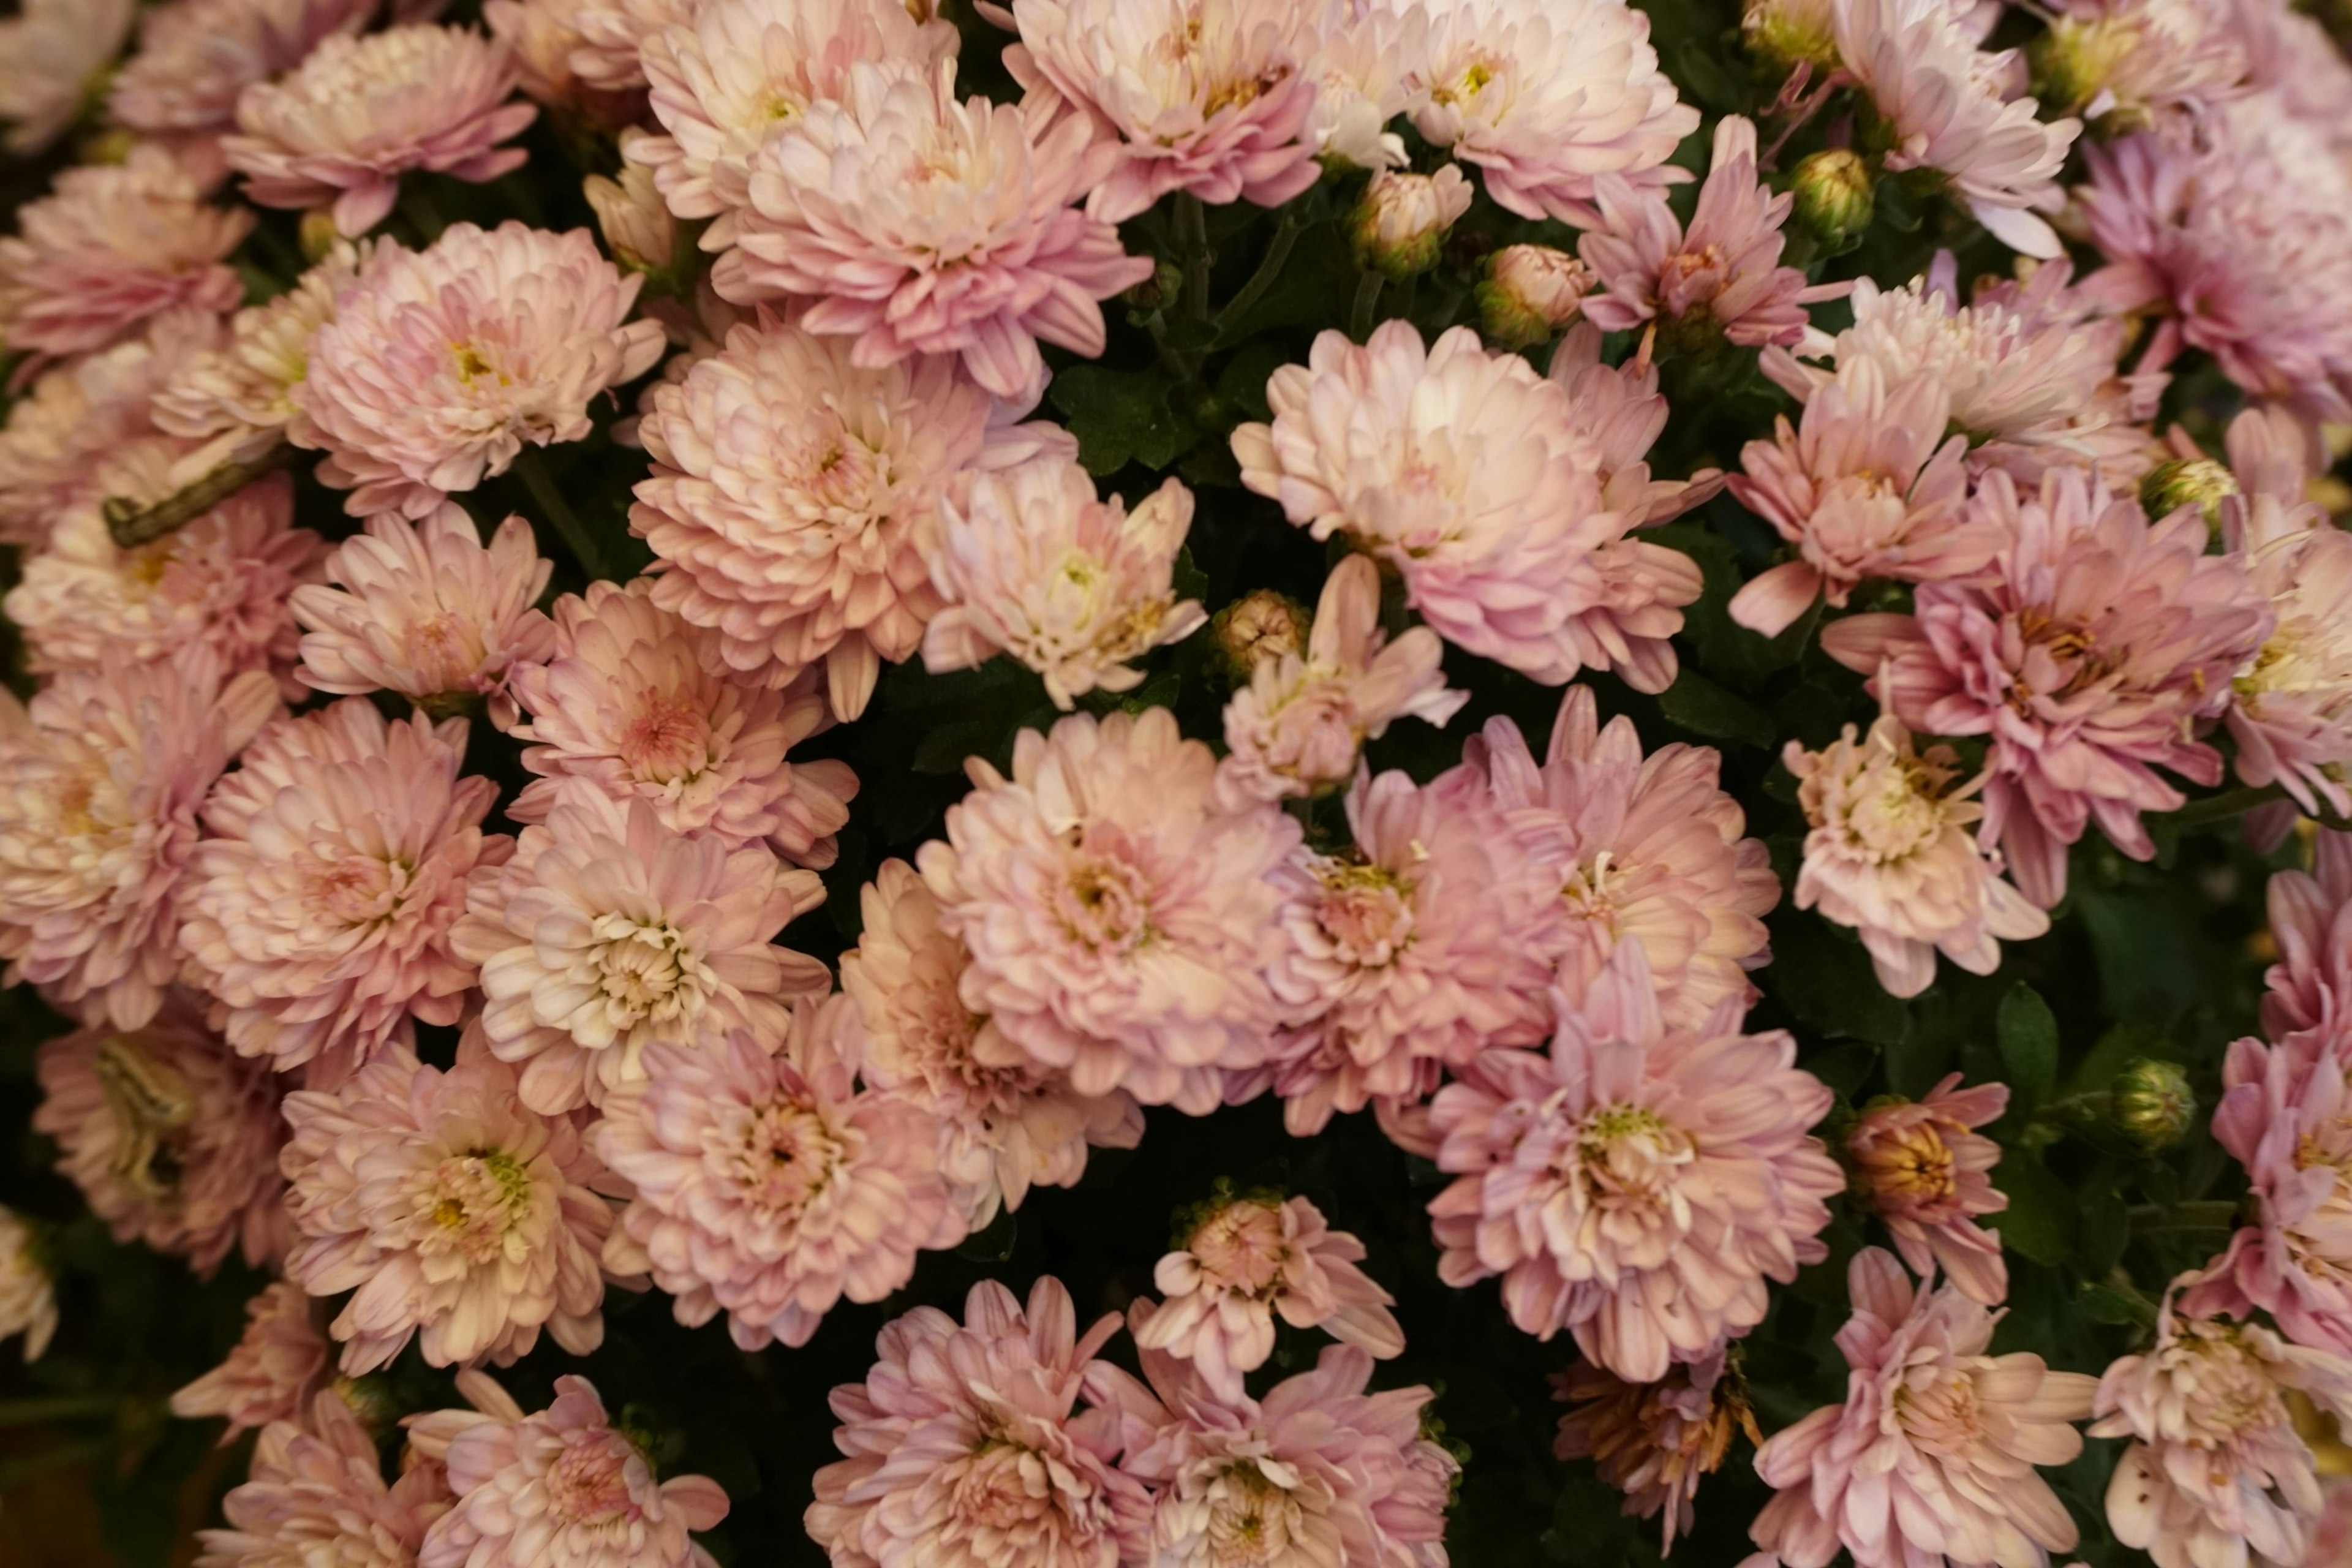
x=1122, y=416
x=1826, y=980
x=1700, y=706
x=2107, y=1227
x=2028, y=1033
x=2038, y=1223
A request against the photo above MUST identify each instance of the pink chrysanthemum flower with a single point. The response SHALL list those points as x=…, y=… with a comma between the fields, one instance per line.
x=728, y=75
x=2130, y=64
x=2215, y=1470
x=563, y=1486
x=1483, y=484
x=2087, y=658
x=100, y=781
x=316, y=1493
x=608, y=933
x=425, y=609
x=196, y=58
x=172, y=1137
x=1925, y=1171
x=964, y=1451
x=440, y=363
x=767, y=1186
x=61, y=434
x=1638, y=1183
x=219, y=582
x=1641, y=846
x=111, y=245
x=582, y=56
x=1543, y=97
x=1297, y=728
x=1208, y=99
x=1359, y=66
x=2286, y=1113
x=795, y=501
x=1432, y=938
x=1932, y=1458
x=271, y=1373
x=1031, y=563
x=1318, y=1472
x=237, y=397
x=1006, y=1124
x=1722, y=275
x=459, y=1217
x=922, y=224
x=340, y=130
x=318, y=908
x=52, y=53
x=627, y=700
x=1943, y=103
x=1117, y=913
x=28, y=1293
x=1655, y=1441
x=2310, y=919
x=1244, y=1260
x=1889, y=857
x=1868, y=488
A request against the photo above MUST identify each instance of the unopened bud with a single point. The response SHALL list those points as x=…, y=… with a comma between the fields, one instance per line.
x=1259, y=626
x=1792, y=32
x=638, y=228
x=1530, y=293
x=1400, y=227
x=2199, y=482
x=2153, y=1103
x=371, y=1399
x=319, y=234
x=1832, y=194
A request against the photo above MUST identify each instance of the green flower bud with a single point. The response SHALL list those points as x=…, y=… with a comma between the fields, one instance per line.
x=1832, y=191
x=2153, y=1103
x=1530, y=292
x=2199, y=482
x=320, y=235
x=1259, y=626
x=1400, y=227
x=1787, y=32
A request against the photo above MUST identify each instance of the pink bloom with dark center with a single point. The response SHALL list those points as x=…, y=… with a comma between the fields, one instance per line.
x=1928, y=1172
x=1655, y=1441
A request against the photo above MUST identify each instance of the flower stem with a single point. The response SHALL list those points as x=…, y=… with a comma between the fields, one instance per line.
x=1269, y=270
x=583, y=544
x=1367, y=300
x=2220, y=807
x=2200, y=1213
x=1192, y=239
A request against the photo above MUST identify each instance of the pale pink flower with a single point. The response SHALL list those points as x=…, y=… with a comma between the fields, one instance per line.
x=1637, y=1184
x=1655, y=1441
x=1927, y=1172
x=62, y=432
x=1299, y=725
x=1889, y=857
x=919, y=224
x=729, y=75
x=2310, y=919
x=1545, y=97
x=2086, y=658
x=237, y=397
x=601, y=81
x=1398, y=225
x=422, y=608
x=1643, y=846
x=1006, y=1124
x=1207, y=97
x=635, y=701
x=100, y=781
x=1725, y=270
x=2215, y=1470
x=795, y=501
x=608, y=933
x=1944, y=104
x=317, y=910
x=2129, y=64
x=218, y=581
x=561, y=1485
x=1932, y=1458
x=440, y=363
x=457, y=1217
x=111, y=245
x=634, y=219
x=316, y=1494
x=271, y=1373
x=1031, y=563
x=1244, y=1260
x=1117, y=912
x=1483, y=485
x=340, y=129
x=1867, y=489
x=2331, y=1533
x=767, y=1186
x=172, y=1137
x=28, y=1295
x=1531, y=293
x=52, y=53
x=1317, y=1472
x=2286, y=1113
x=964, y=1450
x=1434, y=938
x=196, y=58
x=1360, y=64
